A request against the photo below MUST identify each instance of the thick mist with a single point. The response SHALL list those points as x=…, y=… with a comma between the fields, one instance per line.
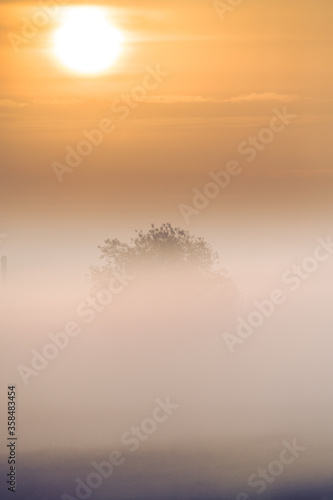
x=160, y=334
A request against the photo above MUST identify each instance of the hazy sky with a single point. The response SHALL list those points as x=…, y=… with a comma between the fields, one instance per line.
x=216, y=87
x=225, y=79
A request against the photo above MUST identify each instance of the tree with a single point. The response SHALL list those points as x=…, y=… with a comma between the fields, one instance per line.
x=162, y=248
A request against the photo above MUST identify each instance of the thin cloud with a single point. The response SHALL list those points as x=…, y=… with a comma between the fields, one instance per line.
x=179, y=99
x=159, y=99
x=7, y=103
x=56, y=102
x=198, y=99
x=263, y=97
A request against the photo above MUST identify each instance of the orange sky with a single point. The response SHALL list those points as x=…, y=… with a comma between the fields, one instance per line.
x=272, y=48
x=225, y=79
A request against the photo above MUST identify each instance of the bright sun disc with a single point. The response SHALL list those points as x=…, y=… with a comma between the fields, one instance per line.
x=87, y=42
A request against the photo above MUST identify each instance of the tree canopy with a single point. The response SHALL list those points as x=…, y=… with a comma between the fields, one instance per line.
x=160, y=247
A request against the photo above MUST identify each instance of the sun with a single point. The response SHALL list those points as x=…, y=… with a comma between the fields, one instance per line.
x=86, y=42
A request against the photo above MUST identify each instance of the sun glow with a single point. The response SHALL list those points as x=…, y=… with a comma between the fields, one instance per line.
x=86, y=42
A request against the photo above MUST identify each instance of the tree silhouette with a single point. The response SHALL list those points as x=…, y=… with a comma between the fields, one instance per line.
x=162, y=248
